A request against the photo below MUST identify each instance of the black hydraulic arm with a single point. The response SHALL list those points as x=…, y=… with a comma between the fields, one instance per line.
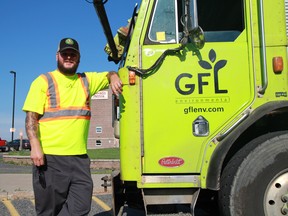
x=101, y=12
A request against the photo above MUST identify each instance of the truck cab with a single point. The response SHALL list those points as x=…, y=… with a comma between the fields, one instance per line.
x=204, y=104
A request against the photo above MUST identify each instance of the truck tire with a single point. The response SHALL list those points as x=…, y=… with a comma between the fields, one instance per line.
x=254, y=182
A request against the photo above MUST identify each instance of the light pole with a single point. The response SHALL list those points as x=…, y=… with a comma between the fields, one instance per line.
x=13, y=110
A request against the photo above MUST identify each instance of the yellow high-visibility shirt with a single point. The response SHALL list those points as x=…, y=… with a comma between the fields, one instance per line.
x=64, y=136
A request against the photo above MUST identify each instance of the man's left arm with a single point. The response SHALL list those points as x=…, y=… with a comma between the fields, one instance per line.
x=115, y=82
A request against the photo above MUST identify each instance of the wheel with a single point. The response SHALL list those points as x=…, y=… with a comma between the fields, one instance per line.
x=254, y=182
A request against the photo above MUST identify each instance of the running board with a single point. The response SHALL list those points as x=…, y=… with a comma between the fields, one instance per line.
x=174, y=196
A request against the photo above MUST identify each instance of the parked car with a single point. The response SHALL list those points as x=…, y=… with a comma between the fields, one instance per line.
x=3, y=146
x=15, y=144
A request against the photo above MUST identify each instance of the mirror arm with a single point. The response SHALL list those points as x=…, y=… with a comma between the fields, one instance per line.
x=158, y=61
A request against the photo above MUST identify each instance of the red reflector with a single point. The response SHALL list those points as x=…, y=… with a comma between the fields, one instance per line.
x=277, y=65
x=132, y=78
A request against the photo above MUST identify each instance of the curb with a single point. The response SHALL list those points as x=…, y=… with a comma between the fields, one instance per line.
x=113, y=164
x=30, y=194
x=16, y=195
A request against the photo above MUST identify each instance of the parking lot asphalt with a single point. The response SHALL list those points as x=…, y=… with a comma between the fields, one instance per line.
x=16, y=181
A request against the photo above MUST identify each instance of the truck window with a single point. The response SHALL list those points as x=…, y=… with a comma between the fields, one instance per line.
x=221, y=20
x=163, y=23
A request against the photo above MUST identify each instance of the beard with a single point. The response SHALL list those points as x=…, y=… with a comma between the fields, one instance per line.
x=67, y=71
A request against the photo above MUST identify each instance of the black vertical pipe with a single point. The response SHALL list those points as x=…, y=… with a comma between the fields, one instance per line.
x=13, y=109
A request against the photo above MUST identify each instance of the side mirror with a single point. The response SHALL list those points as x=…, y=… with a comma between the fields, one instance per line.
x=192, y=31
x=196, y=36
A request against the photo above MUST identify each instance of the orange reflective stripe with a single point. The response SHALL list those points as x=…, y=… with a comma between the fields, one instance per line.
x=65, y=118
x=85, y=86
x=54, y=109
x=53, y=92
x=64, y=114
x=67, y=108
x=57, y=103
x=47, y=92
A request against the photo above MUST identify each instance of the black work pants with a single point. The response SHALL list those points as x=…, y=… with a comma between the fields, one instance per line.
x=63, y=186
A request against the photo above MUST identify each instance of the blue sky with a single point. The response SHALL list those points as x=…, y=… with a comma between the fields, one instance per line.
x=30, y=33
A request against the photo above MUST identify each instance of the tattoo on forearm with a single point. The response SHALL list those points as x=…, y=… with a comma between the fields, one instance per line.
x=31, y=125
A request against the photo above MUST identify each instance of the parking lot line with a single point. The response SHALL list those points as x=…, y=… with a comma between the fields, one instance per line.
x=10, y=207
x=101, y=203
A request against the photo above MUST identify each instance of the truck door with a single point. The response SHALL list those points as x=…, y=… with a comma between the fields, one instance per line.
x=191, y=96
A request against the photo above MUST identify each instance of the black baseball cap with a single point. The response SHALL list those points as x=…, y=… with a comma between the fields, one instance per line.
x=68, y=43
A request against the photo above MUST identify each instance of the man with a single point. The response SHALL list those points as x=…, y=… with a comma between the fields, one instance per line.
x=57, y=120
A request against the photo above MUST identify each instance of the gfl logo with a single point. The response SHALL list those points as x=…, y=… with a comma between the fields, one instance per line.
x=190, y=87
